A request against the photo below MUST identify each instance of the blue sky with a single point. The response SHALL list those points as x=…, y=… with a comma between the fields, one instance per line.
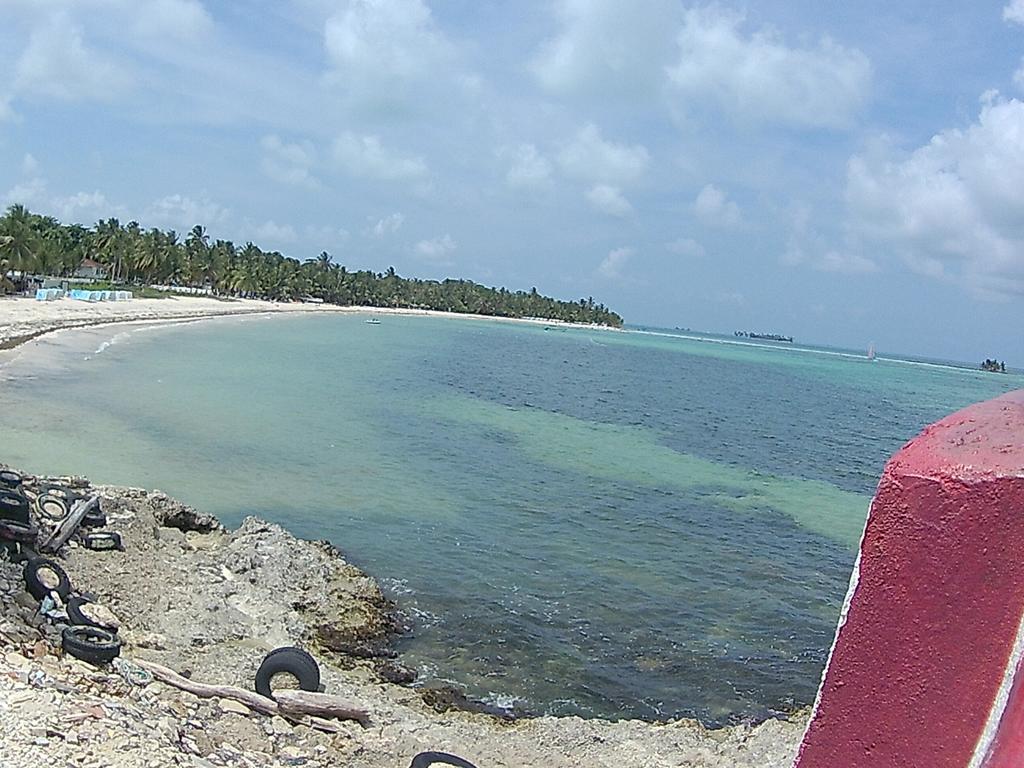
x=841, y=172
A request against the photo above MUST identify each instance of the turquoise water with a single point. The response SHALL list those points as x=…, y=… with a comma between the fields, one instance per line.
x=579, y=522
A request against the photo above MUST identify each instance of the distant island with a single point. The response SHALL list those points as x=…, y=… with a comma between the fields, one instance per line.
x=33, y=247
x=994, y=366
x=763, y=336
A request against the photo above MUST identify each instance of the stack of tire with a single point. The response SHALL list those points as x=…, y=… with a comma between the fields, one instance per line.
x=17, y=533
x=85, y=635
x=53, y=504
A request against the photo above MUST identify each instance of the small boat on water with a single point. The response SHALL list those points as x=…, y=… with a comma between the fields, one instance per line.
x=871, y=351
x=373, y=321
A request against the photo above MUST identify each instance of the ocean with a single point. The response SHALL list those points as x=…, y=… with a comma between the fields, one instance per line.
x=614, y=524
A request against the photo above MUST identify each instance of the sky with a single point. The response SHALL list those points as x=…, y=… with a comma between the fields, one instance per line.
x=845, y=173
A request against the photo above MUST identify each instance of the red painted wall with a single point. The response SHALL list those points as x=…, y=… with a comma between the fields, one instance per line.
x=931, y=626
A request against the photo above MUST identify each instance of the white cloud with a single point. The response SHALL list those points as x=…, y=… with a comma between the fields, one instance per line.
x=759, y=78
x=437, y=250
x=686, y=246
x=607, y=45
x=1014, y=11
x=327, y=237
x=365, y=157
x=31, y=194
x=1018, y=76
x=612, y=264
x=288, y=163
x=80, y=207
x=608, y=200
x=733, y=298
x=181, y=212
x=952, y=208
x=58, y=63
x=712, y=206
x=529, y=168
x=846, y=263
x=808, y=247
x=84, y=207
x=271, y=231
x=29, y=166
x=180, y=20
x=387, y=225
x=590, y=157
x=379, y=48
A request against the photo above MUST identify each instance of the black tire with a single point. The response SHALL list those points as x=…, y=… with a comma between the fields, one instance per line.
x=25, y=552
x=50, y=507
x=92, y=644
x=13, y=530
x=424, y=759
x=299, y=651
x=9, y=478
x=60, y=492
x=102, y=541
x=94, y=518
x=13, y=505
x=292, y=648
x=40, y=589
x=293, y=661
x=79, y=617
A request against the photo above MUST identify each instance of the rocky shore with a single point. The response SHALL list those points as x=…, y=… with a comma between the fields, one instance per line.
x=210, y=603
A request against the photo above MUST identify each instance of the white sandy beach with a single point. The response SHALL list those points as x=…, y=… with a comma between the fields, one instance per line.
x=23, y=318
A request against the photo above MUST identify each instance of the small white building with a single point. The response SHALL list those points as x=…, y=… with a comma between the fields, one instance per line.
x=91, y=270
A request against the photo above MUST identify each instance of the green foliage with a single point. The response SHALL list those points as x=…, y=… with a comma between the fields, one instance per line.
x=41, y=244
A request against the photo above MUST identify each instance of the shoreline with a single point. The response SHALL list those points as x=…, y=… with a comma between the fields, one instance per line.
x=38, y=319
x=431, y=713
x=196, y=597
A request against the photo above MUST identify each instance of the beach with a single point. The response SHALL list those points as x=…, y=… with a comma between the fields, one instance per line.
x=23, y=318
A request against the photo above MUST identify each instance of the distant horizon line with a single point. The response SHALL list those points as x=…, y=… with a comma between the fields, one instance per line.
x=818, y=348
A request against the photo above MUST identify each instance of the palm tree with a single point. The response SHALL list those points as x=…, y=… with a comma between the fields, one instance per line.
x=30, y=241
x=19, y=241
x=108, y=242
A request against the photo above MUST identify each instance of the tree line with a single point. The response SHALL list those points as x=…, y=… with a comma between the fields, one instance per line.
x=31, y=243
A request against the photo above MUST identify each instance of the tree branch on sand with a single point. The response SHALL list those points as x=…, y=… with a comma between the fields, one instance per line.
x=317, y=710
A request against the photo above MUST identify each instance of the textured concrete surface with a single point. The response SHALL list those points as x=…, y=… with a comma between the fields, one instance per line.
x=922, y=670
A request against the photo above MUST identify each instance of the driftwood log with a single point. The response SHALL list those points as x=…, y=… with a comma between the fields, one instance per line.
x=320, y=704
x=63, y=532
x=314, y=709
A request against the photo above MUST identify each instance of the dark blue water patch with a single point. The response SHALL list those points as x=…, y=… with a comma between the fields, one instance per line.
x=722, y=621
x=776, y=419
x=640, y=602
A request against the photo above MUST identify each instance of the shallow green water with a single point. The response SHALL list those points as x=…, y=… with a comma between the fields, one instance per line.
x=616, y=524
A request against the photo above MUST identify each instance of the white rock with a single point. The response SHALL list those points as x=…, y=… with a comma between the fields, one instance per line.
x=234, y=707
